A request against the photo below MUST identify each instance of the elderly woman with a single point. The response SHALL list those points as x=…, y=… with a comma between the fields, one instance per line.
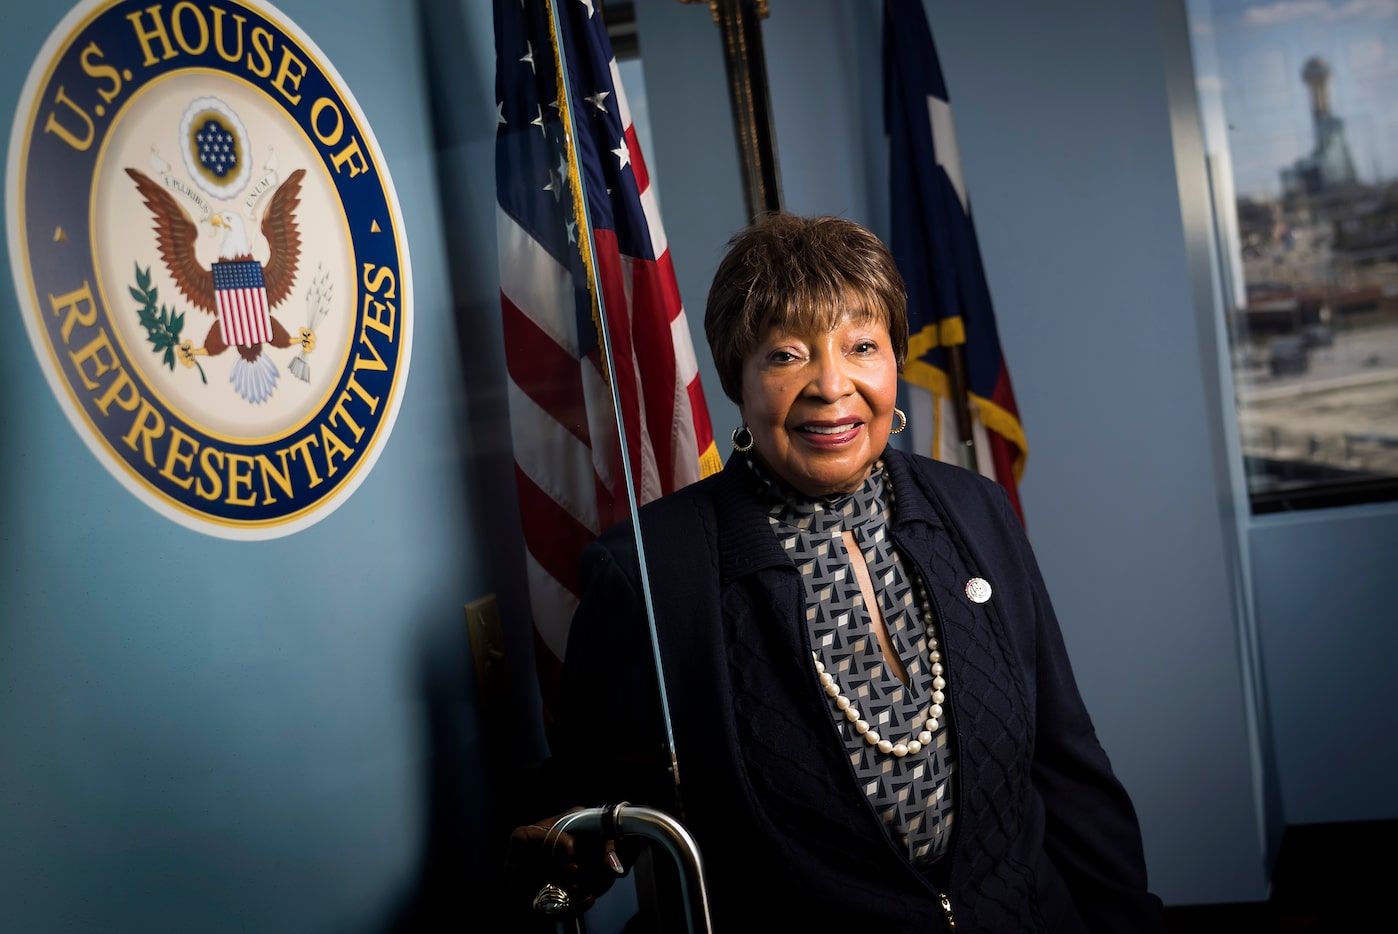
x=874, y=716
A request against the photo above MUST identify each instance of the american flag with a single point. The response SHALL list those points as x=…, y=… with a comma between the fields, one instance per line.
x=568, y=467
x=242, y=303
x=934, y=245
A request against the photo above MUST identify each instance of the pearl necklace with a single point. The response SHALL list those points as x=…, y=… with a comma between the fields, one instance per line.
x=915, y=741
x=918, y=738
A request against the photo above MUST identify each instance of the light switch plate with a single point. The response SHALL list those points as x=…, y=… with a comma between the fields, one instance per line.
x=487, y=644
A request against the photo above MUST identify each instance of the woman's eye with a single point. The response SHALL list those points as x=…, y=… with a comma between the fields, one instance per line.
x=782, y=356
x=865, y=347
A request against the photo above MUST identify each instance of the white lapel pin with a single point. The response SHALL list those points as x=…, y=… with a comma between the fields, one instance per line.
x=978, y=589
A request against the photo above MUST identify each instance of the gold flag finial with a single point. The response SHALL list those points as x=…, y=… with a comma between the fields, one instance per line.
x=713, y=8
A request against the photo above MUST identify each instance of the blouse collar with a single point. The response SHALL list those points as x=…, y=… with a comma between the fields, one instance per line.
x=866, y=506
x=745, y=541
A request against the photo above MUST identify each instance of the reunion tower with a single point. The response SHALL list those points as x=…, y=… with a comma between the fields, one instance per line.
x=1329, y=165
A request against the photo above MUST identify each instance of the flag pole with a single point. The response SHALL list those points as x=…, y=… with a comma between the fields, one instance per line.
x=961, y=404
x=746, y=65
x=583, y=216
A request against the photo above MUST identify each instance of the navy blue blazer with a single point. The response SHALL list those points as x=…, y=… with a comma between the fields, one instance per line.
x=1045, y=836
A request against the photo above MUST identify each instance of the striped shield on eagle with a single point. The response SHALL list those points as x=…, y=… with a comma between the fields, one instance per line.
x=240, y=291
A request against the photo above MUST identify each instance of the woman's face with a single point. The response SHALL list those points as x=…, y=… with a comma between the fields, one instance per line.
x=820, y=405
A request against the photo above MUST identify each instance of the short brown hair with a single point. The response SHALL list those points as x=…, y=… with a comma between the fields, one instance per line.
x=799, y=273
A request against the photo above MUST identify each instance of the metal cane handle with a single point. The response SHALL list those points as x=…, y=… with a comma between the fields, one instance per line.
x=629, y=820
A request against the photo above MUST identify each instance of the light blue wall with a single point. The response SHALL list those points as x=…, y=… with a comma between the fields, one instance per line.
x=1327, y=603
x=1065, y=132
x=313, y=755
x=174, y=757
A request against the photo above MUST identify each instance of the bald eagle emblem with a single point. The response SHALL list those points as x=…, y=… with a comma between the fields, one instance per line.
x=239, y=291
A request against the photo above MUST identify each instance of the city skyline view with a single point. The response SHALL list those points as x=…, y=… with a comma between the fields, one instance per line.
x=1249, y=58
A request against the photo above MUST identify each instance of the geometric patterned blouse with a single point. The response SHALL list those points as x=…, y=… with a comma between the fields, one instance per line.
x=911, y=793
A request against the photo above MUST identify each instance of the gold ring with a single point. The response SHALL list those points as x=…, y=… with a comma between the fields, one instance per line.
x=552, y=900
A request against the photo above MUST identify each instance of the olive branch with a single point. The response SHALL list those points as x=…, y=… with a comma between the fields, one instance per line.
x=162, y=327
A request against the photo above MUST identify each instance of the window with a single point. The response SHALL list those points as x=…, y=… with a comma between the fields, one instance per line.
x=1300, y=109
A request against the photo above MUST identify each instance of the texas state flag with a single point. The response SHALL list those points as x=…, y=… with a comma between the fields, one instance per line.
x=955, y=372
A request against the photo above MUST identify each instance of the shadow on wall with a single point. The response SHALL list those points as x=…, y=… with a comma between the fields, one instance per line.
x=482, y=742
x=480, y=785
x=470, y=798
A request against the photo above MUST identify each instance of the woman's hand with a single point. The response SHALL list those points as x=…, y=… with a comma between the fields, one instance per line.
x=557, y=872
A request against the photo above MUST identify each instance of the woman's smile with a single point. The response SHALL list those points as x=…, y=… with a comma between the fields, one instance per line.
x=830, y=435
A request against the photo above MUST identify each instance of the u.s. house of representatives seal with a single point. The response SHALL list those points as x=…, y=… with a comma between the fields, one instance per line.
x=210, y=260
